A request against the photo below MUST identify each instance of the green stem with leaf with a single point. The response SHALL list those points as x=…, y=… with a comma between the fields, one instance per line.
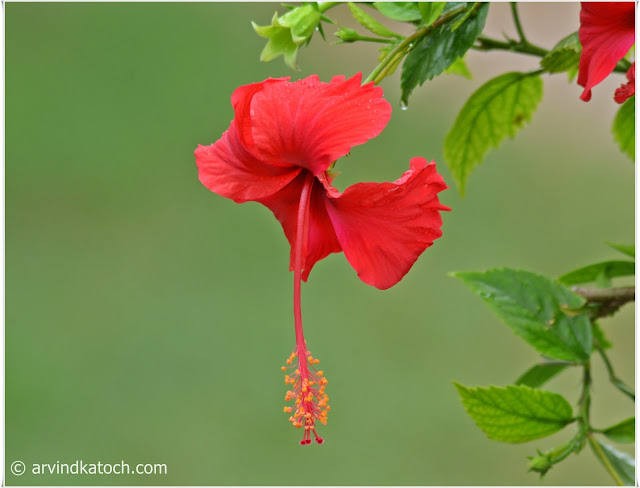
x=405, y=46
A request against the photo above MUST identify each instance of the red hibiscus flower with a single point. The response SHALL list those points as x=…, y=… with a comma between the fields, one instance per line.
x=278, y=151
x=607, y=32
x=629, y=88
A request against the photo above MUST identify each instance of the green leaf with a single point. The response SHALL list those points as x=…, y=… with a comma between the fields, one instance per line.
x=624, y=128
x=539, y=374
x=628, y=249
x=459, y=67
x=565, y=56
x=599, y=337
x=515, y=413
x=537, y=309
x=623, y=464
x=497, y=109
x=430, y=11
x=624, y=431
x=370, y=23
x=401, y=11
x=439, y=49
x=601, y=271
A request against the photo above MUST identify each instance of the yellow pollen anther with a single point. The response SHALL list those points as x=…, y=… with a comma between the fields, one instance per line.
x=283, y=368
x=320, y=373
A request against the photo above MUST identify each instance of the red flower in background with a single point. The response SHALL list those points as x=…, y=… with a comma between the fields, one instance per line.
x=607, y=32
x=629, y=88
x=278, y=151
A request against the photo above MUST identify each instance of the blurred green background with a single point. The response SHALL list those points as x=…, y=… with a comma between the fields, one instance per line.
x=147, y=318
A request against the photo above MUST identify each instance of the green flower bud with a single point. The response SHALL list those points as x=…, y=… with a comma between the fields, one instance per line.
x=287, y=33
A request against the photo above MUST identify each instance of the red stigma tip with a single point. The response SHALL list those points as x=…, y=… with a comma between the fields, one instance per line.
x=319, y=440
x=303, y=442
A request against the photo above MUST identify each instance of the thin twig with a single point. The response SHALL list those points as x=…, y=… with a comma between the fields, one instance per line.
x=617, y=382
x=608, y=300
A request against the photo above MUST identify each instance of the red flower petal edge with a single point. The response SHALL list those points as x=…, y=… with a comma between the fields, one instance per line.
x=628, y=89
x=607, y=32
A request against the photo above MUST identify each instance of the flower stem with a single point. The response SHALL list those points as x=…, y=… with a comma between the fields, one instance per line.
x=302, y=233
x=603, y=458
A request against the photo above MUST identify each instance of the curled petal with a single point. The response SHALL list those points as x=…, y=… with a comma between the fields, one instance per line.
x=241, y=102
x=384, y=227
x=629, y=89
x=321, y=239
x=229, y=169
x=311, y=124
x=607, y=32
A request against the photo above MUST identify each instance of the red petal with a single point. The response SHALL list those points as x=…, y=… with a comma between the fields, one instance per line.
x=322, y=239
x=629, y=89
x=607, y=32
x=384, y=227
x=311, y=124
x=241, y=101
x=229, y=169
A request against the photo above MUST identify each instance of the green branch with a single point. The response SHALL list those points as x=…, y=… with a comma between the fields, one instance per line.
x=485, y=43
x=607, y=300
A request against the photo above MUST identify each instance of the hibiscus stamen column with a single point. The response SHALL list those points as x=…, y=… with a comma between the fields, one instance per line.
x=308, y=383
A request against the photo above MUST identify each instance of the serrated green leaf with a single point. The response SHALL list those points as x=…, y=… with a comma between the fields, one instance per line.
x=538, y=375
x=515, y=413
x=622, y=463
x=624, y=128
x=628, y=249
x=534, y=308
x=565, y=56
x=599, y=337
x=599, y=271
x=497, y=109
x=401, y=11
x=430, y=11
x=459, y=67
x=438, y=50
x=367, y=21
x=624, y=431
